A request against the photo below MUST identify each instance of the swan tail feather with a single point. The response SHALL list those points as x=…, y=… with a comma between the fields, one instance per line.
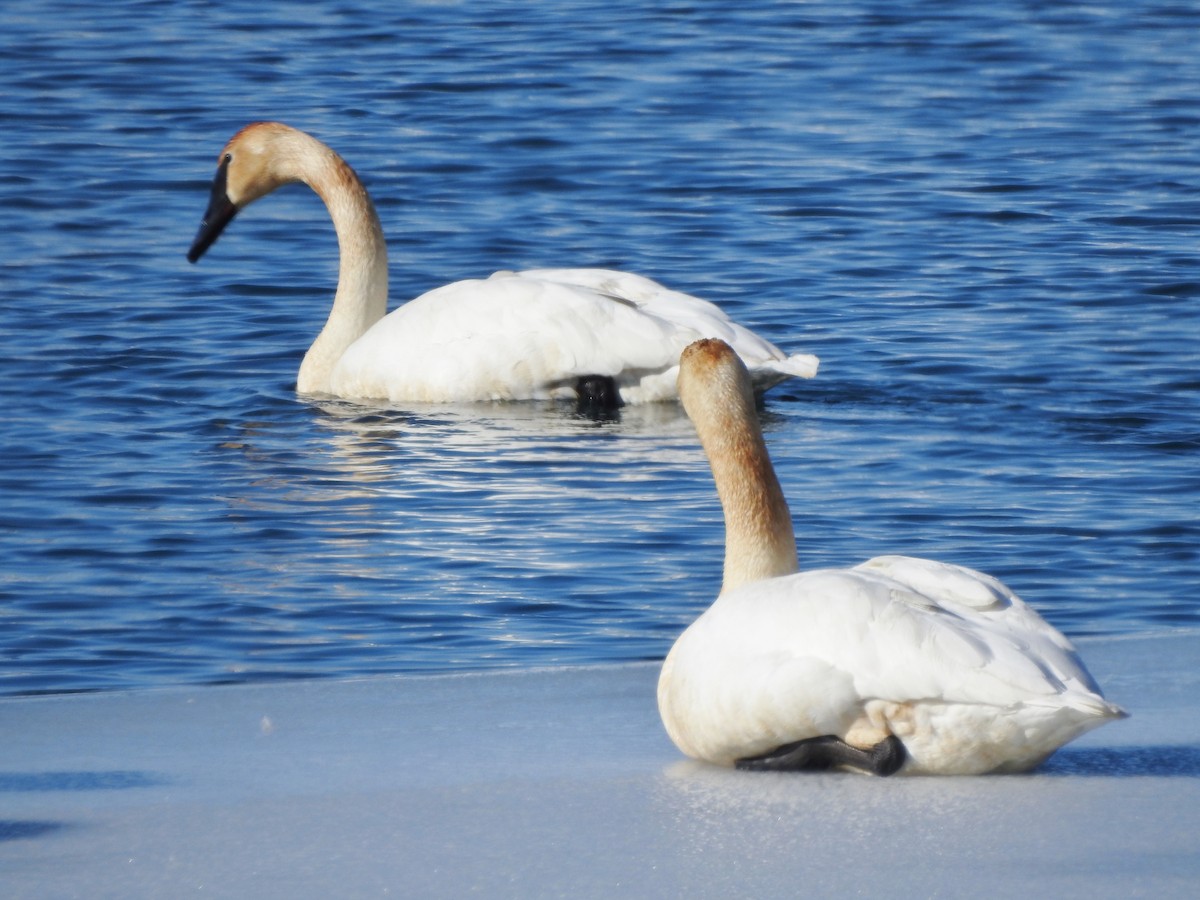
x=798, y=365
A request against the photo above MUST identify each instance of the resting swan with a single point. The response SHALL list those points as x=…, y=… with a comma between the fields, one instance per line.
x=534, y=335
x=897, y=664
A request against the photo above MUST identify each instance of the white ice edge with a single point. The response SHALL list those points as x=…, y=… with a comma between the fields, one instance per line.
x=561, y=782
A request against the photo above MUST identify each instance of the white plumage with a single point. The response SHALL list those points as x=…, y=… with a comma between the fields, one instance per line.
x=530, y=335
x=949, y=660
x=514, y=336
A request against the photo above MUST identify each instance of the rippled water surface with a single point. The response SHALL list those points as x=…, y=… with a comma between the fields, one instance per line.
x=983, y=218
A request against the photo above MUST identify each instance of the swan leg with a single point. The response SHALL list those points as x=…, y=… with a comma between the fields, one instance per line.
x=829, y=752
x=597, y=395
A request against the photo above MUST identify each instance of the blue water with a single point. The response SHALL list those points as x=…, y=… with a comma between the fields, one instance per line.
x=983, y=218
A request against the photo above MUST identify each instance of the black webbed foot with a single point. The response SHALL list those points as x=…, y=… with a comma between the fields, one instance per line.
x=829, y=752
x=597, y=396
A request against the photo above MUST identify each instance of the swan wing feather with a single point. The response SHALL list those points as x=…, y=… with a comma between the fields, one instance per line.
x=696, y=317
x=501, y=338
x=530, y=335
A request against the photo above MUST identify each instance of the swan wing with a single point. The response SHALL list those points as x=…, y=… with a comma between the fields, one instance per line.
x=697, y=318
x=974, y=603
x=901, y=643
x=531, y=335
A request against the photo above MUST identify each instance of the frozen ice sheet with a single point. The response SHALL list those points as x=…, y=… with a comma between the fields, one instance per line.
x=561, y=782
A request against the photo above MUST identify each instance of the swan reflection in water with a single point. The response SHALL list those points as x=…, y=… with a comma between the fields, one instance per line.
x=470, y=536
x=502, y=447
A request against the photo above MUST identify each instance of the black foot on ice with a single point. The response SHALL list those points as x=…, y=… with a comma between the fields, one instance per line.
x=829, y=752
x=597, y=396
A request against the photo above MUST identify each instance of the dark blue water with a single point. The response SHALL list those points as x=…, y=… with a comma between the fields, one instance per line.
x=983, y=217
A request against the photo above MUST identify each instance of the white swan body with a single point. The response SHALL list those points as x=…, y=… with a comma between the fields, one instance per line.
x=514, y=336
x=530, y=335
x=948, y=660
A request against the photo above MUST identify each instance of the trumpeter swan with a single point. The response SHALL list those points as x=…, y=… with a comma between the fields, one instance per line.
x=610, y=336
x=898, y=664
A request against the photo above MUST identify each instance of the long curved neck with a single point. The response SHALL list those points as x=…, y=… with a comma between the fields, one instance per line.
x=361, y=298
x=759, y=540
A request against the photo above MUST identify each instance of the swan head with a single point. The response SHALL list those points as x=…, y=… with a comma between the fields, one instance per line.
x=713, y=377
x=257, y=160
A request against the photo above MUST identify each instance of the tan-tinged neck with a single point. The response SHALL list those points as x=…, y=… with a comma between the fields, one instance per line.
x=361, y=298
x=716, y=393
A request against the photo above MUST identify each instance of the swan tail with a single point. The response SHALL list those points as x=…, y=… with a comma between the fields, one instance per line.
x=1106, y=710
x=1092, y=707
x=769, y=372
x=798, y=365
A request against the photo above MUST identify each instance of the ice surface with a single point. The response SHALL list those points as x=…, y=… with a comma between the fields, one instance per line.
x=561, y=782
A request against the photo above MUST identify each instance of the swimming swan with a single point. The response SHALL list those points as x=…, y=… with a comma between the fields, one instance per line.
x=897, y=664
x=534, y=335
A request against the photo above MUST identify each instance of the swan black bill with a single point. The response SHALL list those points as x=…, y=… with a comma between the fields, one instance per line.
x=820, y=754
x=220, y=213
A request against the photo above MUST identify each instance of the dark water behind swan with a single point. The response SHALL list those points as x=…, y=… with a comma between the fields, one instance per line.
x=982, y=217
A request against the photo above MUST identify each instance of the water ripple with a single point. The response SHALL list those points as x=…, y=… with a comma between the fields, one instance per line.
x=982, y=218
